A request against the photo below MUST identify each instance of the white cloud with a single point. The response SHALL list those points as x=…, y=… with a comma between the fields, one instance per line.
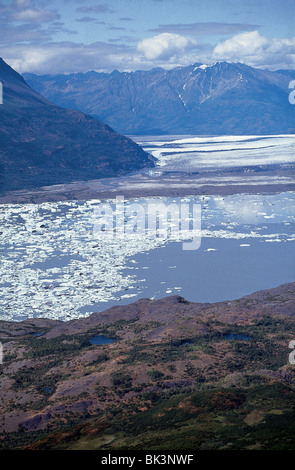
x=25, y=12
x=35, y=15
x=240, y=45
x=32, y=59
x=165, y=50
x=21, y=3
x=67, y=57
x=165, y=46
x=256, y=50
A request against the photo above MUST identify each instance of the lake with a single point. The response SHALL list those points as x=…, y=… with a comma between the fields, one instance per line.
x=54, y=263
x=234, y=336
x=100, y=340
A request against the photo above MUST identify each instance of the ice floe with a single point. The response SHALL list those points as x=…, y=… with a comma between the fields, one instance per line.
x=206, y=153
x=54, y=265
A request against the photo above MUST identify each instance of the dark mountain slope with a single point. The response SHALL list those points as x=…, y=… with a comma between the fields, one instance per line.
x=43, y=144
x=223, y=98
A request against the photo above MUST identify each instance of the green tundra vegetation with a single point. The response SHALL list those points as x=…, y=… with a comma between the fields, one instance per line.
x=225, y=386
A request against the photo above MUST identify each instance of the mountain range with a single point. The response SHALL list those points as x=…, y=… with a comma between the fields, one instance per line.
x=224, y=98
x=44, y=144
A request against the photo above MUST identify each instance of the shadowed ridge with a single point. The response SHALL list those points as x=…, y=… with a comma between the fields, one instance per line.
x=43, y=144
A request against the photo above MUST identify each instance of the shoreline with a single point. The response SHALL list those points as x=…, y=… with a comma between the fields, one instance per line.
x=76, y=325
x=170, y=185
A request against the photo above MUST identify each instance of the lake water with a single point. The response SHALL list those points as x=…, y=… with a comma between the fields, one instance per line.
x=55, y=264
x=234, y=336
x=100, y=340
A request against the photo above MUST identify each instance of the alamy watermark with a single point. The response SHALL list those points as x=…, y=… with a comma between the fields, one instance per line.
x=292, y=354
x=153, y=219
x=1, y=93
x=292, y=93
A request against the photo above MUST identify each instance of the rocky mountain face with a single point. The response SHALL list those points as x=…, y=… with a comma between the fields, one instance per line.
x=223, y=98
x=43, y=144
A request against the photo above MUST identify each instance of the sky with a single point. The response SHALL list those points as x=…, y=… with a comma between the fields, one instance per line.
x=66, y=36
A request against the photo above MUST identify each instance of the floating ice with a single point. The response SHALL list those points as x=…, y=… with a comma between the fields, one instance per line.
x=205, y=153
x=53, y=264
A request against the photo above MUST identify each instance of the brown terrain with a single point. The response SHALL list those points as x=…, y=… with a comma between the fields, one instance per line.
x=169, y=356
x=142, y=184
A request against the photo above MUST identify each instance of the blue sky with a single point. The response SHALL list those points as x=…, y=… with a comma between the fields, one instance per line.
x=63, y=36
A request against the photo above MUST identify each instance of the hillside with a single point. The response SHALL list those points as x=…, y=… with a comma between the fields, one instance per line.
x=224, y=98
x=43, y=144
x=177, y=375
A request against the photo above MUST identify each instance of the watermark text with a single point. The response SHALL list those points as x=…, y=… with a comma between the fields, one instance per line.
x=292, y=93
x=292, y=354
x=153, y=219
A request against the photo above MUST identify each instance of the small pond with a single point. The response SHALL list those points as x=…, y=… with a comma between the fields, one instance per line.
x=233, y=336
x=101, y=339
